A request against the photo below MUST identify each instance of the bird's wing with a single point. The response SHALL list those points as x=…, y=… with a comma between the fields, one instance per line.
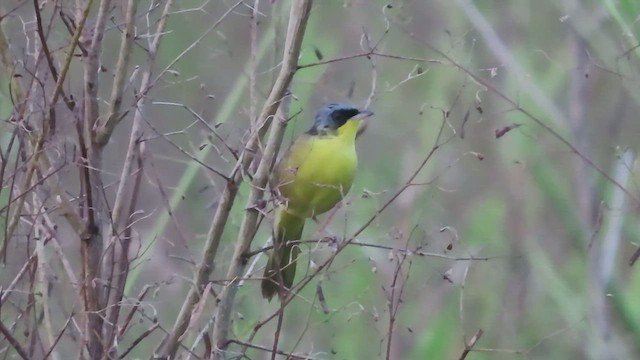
x=285, y=170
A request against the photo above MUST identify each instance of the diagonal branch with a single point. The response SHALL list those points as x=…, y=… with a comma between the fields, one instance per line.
x=295, y=33
x=297, y=23
x=132, y=157
x=8, y=334
x=47, y=53
x=438, y=143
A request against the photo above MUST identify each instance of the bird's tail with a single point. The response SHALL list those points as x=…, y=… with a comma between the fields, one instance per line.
x=281, y=268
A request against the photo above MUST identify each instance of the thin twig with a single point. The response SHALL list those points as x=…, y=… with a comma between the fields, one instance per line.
x=278, y=352
x=43, y=285
x=92, y=245
x=394, y=297
x=448, y=60
x=47, y=53
x=137, y=341
x=524, y=111
x=26, y=186
x=197, y=41
x=133, y=157
x=233, y=98
x=355, y=242
x=119, y=276
x=297, y=24
x=134, y=309
x=253, y=65
x=57, y=339
x=203, y=270
x=469, y=346
x=438, y=144
x=8, y=334
x=124, y=55
x=276, y=334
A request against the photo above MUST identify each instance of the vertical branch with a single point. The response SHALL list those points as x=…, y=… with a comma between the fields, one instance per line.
x=46, y=52
x=253, y=91
x=38, y=141
x=578, y=95
x=203, y=270
x=111, y=268
x=132, y=157
x=92, y=244
x=9, y=68
x=295, y=33
x=394, y=296
x=121, y=264
x=605, y=259
x=43, y=286
x=26, y=185
x=92, y=66
x=124, y=56
x=613, y=233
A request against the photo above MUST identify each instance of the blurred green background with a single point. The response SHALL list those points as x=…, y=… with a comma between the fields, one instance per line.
x=556, y=235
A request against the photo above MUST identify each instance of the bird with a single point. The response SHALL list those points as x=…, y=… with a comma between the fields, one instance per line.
x=313, y=175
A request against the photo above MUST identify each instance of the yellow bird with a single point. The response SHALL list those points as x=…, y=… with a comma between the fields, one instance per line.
x=314, y=175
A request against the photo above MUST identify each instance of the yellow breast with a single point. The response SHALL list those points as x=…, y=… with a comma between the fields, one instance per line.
x=317, y=171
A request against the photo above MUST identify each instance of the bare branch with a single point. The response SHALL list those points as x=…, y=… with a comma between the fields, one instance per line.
x=551, y=108
x=92, y=245
x=8, y=334
x=104, y=132
x=408, y=183
x=44, y=275
x=39, y=142
x=137, y=341
x=26, y=185
x=469, y=346
x=295, y=33
x=119, y=246
x=47, y=53
x=193, y=44
x=253, y=65
x=299, y=15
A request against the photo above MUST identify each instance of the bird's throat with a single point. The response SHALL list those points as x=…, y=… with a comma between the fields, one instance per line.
x=348, y=131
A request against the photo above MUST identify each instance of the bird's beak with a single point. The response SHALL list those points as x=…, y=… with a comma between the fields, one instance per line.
x=363, y=114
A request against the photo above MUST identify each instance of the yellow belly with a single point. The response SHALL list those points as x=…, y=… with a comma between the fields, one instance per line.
x=317, y=174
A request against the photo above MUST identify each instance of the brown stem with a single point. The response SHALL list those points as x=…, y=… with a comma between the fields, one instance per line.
x=469, y=347
x=297, y=24
x=203, y=270
x=8, y=334
x=92, y=245
x=103, y=134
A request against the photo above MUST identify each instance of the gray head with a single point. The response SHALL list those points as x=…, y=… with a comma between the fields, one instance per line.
x=332, y=116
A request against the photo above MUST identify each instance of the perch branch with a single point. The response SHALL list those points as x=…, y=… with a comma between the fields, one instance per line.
x=203, y=270
x=295, y=33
